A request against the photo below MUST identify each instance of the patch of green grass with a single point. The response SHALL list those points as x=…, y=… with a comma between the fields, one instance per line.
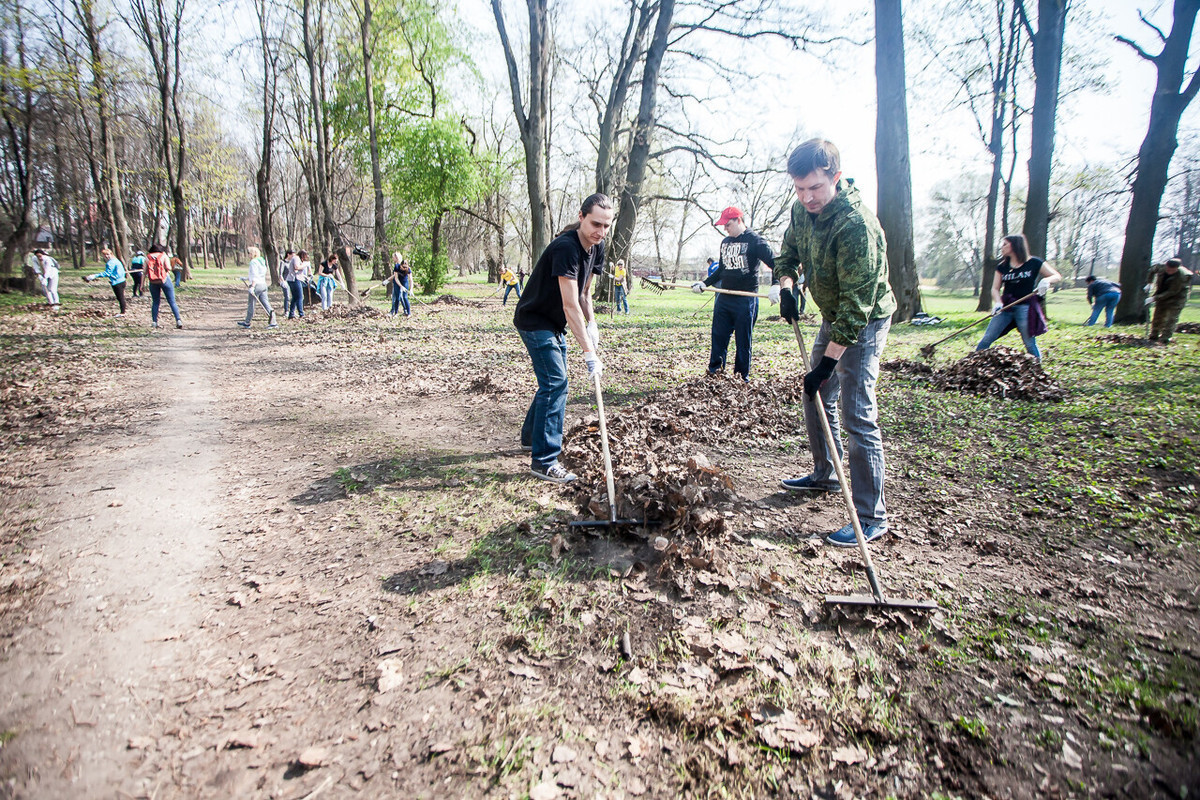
x=973, y=727
x=1048, y=739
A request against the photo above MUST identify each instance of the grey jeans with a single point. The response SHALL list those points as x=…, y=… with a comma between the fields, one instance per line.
x=254, y=297
x=854, y=382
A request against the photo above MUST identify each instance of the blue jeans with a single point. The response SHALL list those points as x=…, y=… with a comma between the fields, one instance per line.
x=1020, y=315
x=296, y=299
x=853, y=382
x=1108, y=304
x=733, y=315
x=622, y=300
x=157, y=290
x=543, y=426
x=400, y=297
x=325, y=287
x=513, y=288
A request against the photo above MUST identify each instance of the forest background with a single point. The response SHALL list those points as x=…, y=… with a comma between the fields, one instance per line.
x=464, y=135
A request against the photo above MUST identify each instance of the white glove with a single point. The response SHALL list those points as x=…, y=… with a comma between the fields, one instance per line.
x=1148, y=288
x=996, y=308
x=593, y=333
x=698, y=287
x=773, y=294
x=1042, y=287
x=594, y=367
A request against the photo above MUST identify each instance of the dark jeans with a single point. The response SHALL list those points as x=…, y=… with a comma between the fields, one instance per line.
x=543, y=427
x=137, y=284
x=1107, y=303
x=400, y=297
x=295, y=299
x=119, y=291
x=178, y=275
x=157, y=290
x=513, y=288
x=733, y=315
x=621, y=298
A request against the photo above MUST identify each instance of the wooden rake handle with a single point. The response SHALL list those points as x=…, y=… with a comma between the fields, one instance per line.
x=843, y=481
x=732, y=292
x=980, y=321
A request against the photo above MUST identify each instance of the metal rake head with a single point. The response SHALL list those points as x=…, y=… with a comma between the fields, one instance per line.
x=657, y=288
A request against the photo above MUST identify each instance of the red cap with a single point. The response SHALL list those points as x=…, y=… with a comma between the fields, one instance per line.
x=733, y=212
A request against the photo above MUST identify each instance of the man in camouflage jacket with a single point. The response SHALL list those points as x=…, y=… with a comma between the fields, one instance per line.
x=838, y=244
x=1169, y=285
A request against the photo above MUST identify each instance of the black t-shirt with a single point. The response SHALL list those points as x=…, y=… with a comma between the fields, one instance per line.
x=326, y=268
x=740, y=257
x=1016, y=282
x=540, y=307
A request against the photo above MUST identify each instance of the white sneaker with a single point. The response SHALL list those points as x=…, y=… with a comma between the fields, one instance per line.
x=555, y=473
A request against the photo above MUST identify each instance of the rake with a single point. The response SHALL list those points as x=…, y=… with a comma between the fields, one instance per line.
x=927, y=350
x=876, y=598
x=658, y=287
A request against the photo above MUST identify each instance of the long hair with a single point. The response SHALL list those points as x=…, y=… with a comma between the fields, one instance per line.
x=596, y=200
x=1020, y=248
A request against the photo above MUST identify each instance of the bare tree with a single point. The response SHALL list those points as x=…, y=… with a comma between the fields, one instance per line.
x=1047, y=70
x=159, y=26
x=269, y=53
x=17, y=110
x=1170, y=100
x=532, y=114
x=892, y=158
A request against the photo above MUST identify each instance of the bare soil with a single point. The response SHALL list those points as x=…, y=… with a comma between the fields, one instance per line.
x=311, y=562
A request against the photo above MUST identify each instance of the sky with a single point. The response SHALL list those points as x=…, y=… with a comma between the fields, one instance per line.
x=794, y=91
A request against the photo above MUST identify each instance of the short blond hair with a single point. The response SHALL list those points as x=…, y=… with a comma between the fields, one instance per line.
x=253, y=251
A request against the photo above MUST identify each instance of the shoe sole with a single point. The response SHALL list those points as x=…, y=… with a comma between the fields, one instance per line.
x=809, y=488
x=853, y=542
x=551, y=479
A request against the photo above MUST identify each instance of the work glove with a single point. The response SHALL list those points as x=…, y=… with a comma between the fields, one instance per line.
x=773, y=294
x=1042, y=287
x=997, y=308
x=787, y=307
x=814, y=380
x=593, y=333
x=594, y=367
x=698, y=287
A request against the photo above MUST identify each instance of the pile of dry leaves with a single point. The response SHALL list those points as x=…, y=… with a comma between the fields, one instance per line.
x=905, y=366
x=451, y=300
x=1000, y=372
x=339, y=311
x=1124, y=338
x=1188, y=327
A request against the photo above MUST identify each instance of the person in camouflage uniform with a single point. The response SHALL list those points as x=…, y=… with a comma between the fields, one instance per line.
x=1169, y=285
x=839, y=245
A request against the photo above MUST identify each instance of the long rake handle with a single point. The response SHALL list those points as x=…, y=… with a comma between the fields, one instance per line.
x=981, y=320
x=608, y=470
x=711, y=289
x=831, y=445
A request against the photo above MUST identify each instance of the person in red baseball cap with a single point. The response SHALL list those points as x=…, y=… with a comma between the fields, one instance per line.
x=742, y=250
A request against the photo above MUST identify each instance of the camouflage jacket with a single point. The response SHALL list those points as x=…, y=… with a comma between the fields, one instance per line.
x=1171, y=290
x=843, y=256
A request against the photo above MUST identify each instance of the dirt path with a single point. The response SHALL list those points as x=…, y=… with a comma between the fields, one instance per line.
x=138, y=510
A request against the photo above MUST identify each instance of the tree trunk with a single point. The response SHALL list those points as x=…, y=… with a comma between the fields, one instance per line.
x=610, y=122
x=639, y=153
x=1047, y=69
x=381, y=256
x=1154, y=158
x=262, y=177
x=892, y=159
x=531, y=118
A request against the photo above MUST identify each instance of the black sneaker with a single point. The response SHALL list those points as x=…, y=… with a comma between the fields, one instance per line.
x=555, y=473
x=243, y=324
x=528, y=448
x=808, y=484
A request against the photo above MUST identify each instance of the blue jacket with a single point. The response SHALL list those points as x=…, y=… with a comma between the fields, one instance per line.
x=1101, y=287
x=114, y=270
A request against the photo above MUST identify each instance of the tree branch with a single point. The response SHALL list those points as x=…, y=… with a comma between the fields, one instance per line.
x=1136, y=48
x=1162, y=37
x=1025, y=21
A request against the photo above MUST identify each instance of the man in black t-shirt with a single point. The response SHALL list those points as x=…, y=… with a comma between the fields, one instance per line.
x=741, y=252
x=558, y=297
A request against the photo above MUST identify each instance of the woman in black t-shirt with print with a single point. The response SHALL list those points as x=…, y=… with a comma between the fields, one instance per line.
x=1019, y=275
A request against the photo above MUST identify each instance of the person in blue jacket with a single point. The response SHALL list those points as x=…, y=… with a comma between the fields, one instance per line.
x=114, y=270
x=1104, y=296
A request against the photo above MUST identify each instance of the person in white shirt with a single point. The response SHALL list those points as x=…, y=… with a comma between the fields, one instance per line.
x=256, y=288
x=46, y=268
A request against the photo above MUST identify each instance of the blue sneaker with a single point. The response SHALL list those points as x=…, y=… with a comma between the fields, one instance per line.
x=844, y=536
x=808, y=484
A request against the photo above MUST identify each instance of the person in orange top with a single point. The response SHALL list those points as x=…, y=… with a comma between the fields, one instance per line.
x=158, y=272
